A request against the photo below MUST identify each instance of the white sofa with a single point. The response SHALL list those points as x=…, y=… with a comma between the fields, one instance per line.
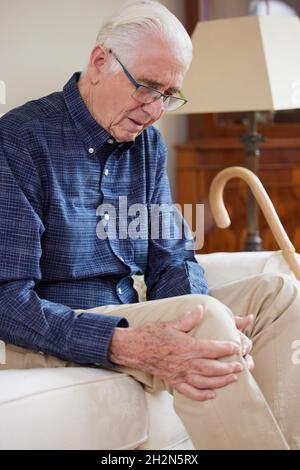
x=89, y=408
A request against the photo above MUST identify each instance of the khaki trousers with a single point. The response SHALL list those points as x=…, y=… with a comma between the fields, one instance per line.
x=259, y=411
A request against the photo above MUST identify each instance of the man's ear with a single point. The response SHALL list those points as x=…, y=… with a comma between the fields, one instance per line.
x=98, y=59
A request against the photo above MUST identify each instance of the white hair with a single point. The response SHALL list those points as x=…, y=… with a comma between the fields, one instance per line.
x=123, y=31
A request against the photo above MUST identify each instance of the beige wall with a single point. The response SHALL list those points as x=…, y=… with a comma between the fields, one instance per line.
x=42, y=42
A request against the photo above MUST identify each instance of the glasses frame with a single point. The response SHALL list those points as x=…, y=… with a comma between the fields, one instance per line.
x=182, y=100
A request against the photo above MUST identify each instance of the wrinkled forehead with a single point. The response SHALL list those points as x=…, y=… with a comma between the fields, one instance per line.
x=160, y=63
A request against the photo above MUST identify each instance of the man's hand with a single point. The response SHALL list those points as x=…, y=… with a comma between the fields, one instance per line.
x=164, y=349
x=241, y=324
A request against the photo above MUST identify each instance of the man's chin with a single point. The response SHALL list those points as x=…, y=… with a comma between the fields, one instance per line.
x=126, y=136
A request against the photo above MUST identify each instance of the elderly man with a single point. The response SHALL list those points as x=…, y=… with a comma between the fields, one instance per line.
x=66, y=293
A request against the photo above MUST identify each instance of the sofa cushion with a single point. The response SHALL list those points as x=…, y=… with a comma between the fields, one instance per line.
x=221, y=268
x=166, y=430
x=71, y=408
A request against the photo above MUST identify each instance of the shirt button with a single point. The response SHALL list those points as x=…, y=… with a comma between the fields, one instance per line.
x=106, y=216
x=91, y=150
x=106, y=172
x=119, y=290
x=110, y=141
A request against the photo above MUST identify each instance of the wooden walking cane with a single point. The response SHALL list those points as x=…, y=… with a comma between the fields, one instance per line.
x=222, y=219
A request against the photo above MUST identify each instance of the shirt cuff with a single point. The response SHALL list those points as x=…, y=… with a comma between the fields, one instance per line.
x=189, y=279
x=91, y=337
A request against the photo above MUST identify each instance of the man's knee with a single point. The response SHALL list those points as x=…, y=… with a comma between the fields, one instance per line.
x=278, y=288
x=217, y=321
x=280, y=293
x=279, y=280
x=212, y=307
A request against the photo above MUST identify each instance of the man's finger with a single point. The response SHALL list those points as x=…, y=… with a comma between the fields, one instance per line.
x=201, y=382
x=242, y=322
x=188, y=320
x=216, y=349
x=194, y=393
x=250, y=362
x=246, y=344
x=215, y=368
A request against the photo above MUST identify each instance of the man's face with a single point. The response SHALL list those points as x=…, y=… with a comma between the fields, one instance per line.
x=113, y=105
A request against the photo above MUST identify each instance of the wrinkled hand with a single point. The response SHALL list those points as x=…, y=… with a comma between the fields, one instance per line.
x=241, y=324
x=190, y=365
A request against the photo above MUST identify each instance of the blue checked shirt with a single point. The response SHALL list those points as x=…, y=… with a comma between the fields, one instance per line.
x=57, y=167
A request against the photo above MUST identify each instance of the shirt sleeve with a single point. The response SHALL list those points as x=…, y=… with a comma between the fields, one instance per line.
x=172, y=268
x=25, y=319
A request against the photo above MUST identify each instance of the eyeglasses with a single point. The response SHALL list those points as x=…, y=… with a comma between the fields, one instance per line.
x=146, y=94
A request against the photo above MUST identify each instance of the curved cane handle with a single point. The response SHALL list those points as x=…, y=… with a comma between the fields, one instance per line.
x=222, y=218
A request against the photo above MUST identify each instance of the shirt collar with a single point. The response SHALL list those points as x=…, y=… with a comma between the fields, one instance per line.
x=93, y=134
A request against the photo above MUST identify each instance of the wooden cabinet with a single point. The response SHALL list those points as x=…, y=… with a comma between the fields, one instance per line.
x=199, y=161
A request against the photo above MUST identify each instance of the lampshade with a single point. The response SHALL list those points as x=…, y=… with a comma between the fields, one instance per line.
x=244, y=64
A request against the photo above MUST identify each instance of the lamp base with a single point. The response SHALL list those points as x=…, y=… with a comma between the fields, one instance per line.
x=253, y=242
x=252, y=142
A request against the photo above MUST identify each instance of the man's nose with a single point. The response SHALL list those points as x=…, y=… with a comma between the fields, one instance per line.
x=154, y=109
